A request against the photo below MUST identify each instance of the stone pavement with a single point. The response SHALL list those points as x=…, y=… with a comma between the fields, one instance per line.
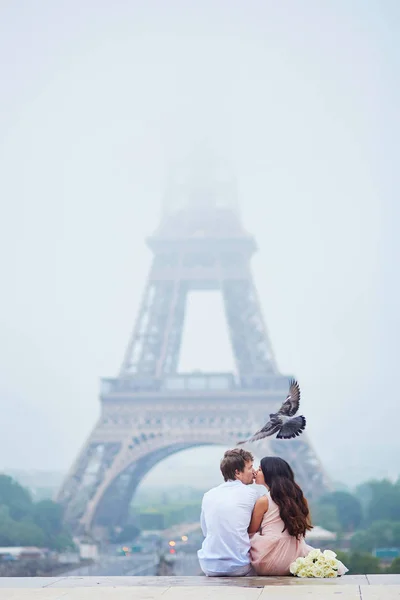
x=356, y=587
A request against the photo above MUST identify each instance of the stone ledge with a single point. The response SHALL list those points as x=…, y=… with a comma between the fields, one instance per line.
x=359, y=587
x=174, y=581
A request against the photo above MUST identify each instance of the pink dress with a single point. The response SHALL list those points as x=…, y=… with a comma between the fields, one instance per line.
x=273, y=550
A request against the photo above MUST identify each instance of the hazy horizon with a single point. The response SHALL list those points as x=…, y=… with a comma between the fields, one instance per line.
x=301, y=100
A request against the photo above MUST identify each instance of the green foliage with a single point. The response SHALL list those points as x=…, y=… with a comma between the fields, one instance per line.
x=380, y=534
x=17, y=498
x=19, y=533
x=343, y=509
x=24, y=523
x=359, y=563
x=394, y=567
x=6, y=527
x=326, y=515
x=381, y=500
x=373, y=502
x=28, y=534
x=373, y=514
x=61, y=541
x=48, y=516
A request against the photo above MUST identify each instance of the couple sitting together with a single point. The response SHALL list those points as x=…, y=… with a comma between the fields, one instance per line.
x=246, y=534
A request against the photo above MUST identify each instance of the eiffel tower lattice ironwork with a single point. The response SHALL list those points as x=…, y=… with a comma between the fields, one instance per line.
x=150, y=411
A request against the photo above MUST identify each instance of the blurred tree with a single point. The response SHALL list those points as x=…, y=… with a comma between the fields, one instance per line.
x=326, y=516
x=6, y=527
x=348, y=509
x=382, y=499
x=27, y=534
x=380, y=534
x=17, y=498
x=19, y=533
x=23, y=523
x=62, y=541
x=394, y=567
x=360, y=563
x=48, y=516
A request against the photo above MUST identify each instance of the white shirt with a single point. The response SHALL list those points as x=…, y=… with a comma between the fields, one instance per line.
x=225, y=517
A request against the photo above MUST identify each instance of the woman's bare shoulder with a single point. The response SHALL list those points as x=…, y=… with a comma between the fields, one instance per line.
x=262, y=502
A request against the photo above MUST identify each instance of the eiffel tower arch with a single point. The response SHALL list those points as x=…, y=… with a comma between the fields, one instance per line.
x=150, y=410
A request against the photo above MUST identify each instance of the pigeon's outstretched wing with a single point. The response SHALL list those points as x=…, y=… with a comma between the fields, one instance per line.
x=291, y=405
x=284, y=423
x=269, y=429
x=292, y=428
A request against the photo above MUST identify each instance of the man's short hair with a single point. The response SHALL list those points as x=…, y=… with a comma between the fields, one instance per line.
x=234, y=460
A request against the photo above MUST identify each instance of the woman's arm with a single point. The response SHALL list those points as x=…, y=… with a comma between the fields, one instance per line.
x=260, y=508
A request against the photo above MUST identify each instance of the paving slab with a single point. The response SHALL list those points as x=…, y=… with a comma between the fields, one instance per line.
x=174, y=581
x=30, y=582
x=32, y=594
x=349, y=587
x=92, y=581
x=322, y=592
x=313, y=592
x=166, y=582
x=112, y=593
x=355, y=580
x=380, y=592
x=212, y=593
x=84, y=593
x=383, y=579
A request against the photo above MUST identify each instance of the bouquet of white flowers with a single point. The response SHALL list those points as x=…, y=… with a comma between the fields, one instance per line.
x=318, y=564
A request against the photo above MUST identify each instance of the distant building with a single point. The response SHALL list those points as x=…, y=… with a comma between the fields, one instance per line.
x=68, y=558
x=21, y=553
x=320, y=537
x=387, y=555
x=88, y=551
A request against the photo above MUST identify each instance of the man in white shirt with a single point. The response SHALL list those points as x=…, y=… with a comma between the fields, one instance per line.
x=225, y=517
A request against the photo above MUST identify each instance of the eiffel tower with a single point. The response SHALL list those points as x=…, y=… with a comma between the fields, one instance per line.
x=150, y=410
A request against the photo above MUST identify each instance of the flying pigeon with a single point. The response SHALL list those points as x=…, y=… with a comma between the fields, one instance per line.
x=284, y=423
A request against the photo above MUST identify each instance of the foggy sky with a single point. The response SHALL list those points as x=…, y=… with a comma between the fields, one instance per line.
x=97, y=99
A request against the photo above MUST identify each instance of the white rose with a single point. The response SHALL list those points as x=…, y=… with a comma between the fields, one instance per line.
x=329, y=554
x=341, y=568
x=332, y=563
x=302, y=573
x=330, y=573
x=314, y=554
x=300, y=562
x=294, y=568
x=318, y=571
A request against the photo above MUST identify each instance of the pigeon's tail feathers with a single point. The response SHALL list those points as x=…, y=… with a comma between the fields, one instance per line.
x=292, y=428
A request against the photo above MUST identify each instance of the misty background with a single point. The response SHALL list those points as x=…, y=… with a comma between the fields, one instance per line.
x=98, y=100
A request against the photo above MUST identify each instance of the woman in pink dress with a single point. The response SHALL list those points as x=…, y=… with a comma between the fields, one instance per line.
x=280, y=520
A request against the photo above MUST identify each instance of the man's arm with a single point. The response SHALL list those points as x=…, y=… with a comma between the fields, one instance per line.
x=259, y=510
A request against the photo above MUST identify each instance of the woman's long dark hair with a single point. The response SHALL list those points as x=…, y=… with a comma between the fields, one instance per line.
x=287, y=495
